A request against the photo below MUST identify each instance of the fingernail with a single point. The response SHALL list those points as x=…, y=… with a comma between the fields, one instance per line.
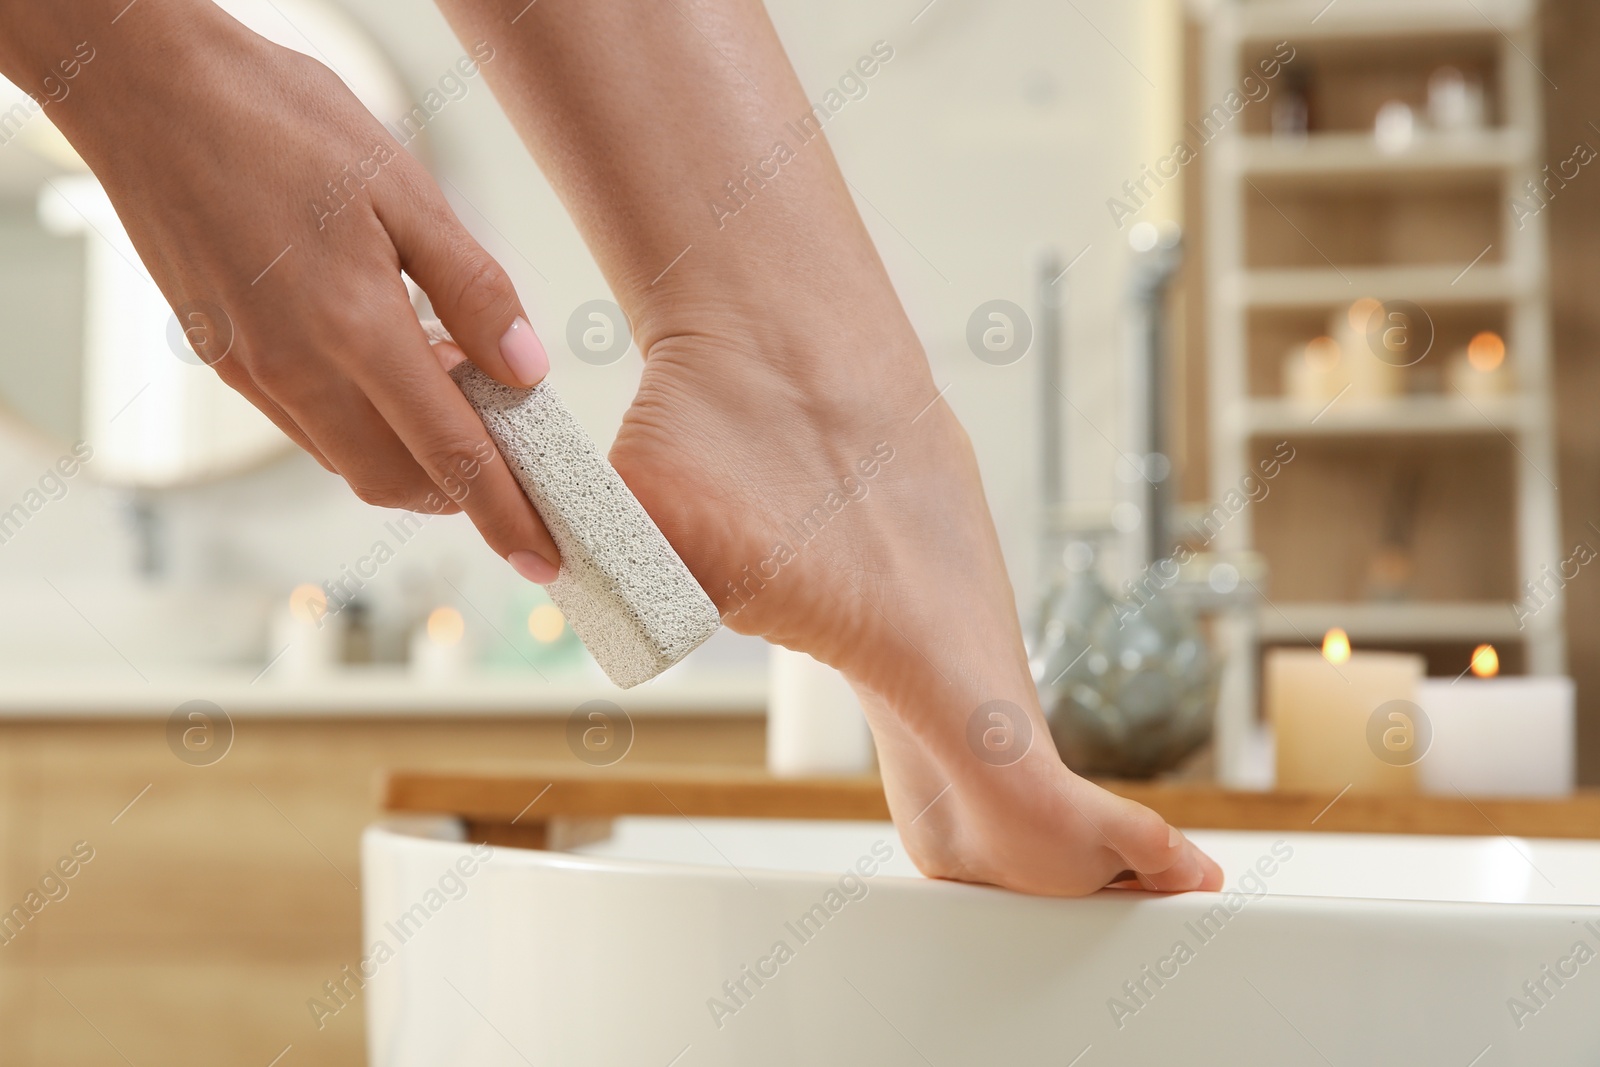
x=1174, y=839
x=524, y=354
x=533, y=567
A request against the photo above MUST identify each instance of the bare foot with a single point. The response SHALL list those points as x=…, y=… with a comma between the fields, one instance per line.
x=834, y=506
x=787, y=436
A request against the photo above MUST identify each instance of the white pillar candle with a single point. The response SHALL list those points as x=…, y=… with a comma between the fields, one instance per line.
x=1377, y=343
x=1499, y=737
x=1321, y=716
x=305, y=639
x=1315, y=373
x=438, y=650
x=815, y=725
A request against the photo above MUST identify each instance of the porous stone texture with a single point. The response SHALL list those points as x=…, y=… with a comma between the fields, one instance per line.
x=622, y=587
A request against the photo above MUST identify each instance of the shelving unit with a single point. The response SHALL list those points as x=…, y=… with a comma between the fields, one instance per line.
x=1299, y=228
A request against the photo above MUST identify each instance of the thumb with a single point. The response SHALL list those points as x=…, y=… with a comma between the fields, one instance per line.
x=470, y=292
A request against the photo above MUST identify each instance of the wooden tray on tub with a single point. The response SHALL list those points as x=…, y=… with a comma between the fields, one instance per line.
x=554, y=806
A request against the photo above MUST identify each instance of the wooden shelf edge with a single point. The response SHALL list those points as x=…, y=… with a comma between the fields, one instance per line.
x=520, y=806
x=1439, y=620
x=1362, y=20
x=1316, y=287
x=1344, y=155
x=1577, y=816
x=635, y=790
x=1431, y=416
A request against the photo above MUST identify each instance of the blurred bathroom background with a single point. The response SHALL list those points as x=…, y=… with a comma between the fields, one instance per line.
x=1131, y=331
x=187, y=577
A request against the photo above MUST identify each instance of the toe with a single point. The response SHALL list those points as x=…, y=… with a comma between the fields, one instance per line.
x=1163, y=858
x=1186, y=872
x=1141, y=837
x=1212, y=881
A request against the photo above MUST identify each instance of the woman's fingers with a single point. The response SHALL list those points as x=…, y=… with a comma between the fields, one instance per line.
x=469, y=291
x=407, y=385
x=449, y=355
x=376, y=463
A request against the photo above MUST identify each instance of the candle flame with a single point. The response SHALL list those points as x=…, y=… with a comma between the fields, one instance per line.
x=1485, y=661
x=446, y=626
x=1486, y=351
x=1360, y=312
x=308, y=603
x=1336, y=646
x=1323, y=353
x=546, y=623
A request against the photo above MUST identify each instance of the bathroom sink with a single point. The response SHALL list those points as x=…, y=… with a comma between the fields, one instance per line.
x=715, y=941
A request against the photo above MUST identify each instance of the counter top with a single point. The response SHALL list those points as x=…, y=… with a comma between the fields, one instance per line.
x=374, y=692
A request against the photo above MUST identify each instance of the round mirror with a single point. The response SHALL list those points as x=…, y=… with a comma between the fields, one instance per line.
x=93, y=353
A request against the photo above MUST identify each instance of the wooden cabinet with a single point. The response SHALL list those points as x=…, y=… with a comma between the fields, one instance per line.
x=219, y=902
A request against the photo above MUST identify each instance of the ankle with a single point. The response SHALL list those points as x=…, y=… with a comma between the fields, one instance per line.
x=837, y=338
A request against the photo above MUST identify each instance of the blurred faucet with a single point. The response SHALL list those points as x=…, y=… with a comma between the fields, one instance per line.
x=1158, y=253
x=1051, y=297
x=146, y=522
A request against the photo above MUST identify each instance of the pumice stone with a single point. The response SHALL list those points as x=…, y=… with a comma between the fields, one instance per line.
x=622, y=587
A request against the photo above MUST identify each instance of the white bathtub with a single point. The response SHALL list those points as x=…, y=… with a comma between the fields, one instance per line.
x=1348, y=950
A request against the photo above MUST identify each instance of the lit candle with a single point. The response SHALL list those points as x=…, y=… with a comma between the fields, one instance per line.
x=305, y=636
x=1314, y=373
x=1481, y=369
x=1377, y=344
x=546, y=624
x=1332, y=720
x=439, y=647
x=1496, y=736
x=1360, y=358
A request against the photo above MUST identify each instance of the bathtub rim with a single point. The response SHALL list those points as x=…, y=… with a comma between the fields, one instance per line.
x=444, y=833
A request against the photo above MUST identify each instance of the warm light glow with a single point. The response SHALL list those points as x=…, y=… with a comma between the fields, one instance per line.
x=1486, y=351
x=1336, y=646
x=1485, y=661
x=1323, y=353
x=546, y=623
x=1360, y=312
x=446, y=626
x=308, y=603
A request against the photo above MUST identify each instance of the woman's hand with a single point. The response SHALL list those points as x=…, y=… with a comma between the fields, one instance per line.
x=251, y=180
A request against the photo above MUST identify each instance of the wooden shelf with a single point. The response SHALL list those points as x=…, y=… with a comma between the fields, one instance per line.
x=1335, y=159
x=501, y=793
x=556, y=807
x=1211, y=808
x=1465, y=621
x=1359, y=20
x=1442, y=416
x=1317, y=287
x=1298, y=230
x=527, y=806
